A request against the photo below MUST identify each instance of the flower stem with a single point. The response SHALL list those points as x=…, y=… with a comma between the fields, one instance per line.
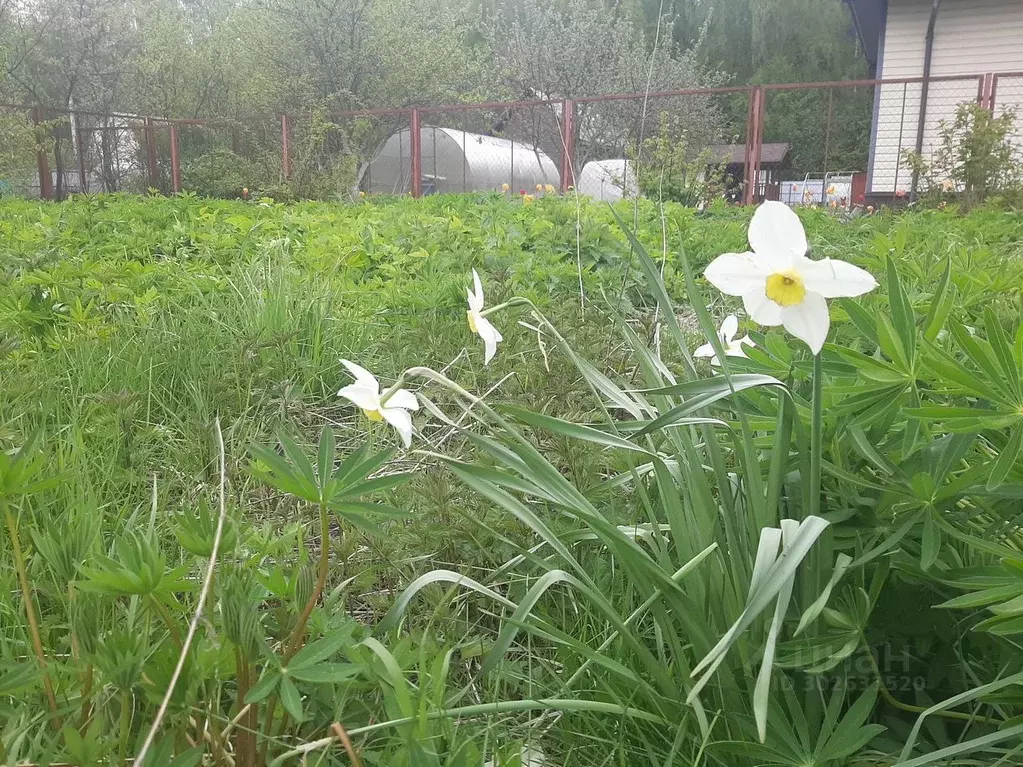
x=510, y=302
x=816, y=436
x=295, y=641
x=30, y=611
x=389, y=392
x=167, y=618
x=893, y=701
x=125, y=726
x=779, y=459
x=321, y=580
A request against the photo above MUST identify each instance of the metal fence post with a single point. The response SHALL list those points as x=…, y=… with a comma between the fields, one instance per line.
x=759, y=143
x=83, y=178
x=285, y=148
x=42, y=160
x=567, y=144
x=151, y=152
x=175, y=160
x=754, y=140
x=416, y=150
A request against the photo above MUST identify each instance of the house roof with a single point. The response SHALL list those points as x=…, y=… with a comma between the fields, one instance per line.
x=868, y=17
x=735, y=154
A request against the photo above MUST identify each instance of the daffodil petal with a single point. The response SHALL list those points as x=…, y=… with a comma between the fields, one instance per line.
x=808, y=321
x=835, y=279
x=362, y=376
x=361, y=396
x=729, y=328
x=476, y=294
x=776, y=235
x=404, y=399
x=744, y=341
x=400, y=420
x=761, y=309
x=704, y=351
x=736, y=274
x=735, y=349
x=478, y=285
x=490, y=338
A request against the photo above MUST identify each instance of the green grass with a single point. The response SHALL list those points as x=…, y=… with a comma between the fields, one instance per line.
x=129, y=326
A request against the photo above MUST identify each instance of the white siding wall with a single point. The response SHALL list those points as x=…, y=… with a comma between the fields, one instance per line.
x=971, y=37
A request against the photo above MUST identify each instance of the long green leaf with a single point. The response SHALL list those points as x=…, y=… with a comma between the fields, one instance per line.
x=1006, y=458
x=571, y=430
x=941, y=304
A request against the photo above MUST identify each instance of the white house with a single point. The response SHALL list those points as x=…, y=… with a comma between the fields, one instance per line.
x=951, y=43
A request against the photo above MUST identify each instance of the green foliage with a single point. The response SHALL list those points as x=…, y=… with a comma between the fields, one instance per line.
x=221, y=173
x=605, y=518
x=325, y=163
x=19, y=143
x=669, y=169
x=976, y=158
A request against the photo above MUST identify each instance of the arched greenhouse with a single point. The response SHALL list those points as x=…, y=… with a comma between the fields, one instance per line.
x=608, y=180
x=459, y=161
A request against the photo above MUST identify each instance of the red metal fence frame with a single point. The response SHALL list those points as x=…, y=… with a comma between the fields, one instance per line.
x=986, y=92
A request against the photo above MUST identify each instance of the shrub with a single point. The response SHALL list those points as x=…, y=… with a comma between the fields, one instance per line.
x=976, y=157
x=19, y=144
x=220, y=173
x=668, y=168
x=323, y=163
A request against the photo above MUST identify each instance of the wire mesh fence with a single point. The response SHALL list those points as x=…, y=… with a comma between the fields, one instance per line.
x=328, y=156
x=837, y=144
x=902, y=127
x=821, y=140
x=95, y=152
x=1006, y=95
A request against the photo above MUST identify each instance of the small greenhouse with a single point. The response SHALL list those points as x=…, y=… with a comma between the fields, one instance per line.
x=459, y=161
x=608, y=180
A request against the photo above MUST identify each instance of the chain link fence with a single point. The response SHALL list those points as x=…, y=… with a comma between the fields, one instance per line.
x=836, y=144
x=1006, y=95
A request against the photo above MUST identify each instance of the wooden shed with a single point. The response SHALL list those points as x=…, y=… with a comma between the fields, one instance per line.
x=774, y=161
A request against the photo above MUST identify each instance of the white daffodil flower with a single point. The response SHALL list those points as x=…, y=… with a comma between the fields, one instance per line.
x=643, y=531
x=365, y=393
x=733, y=345
x=479, y=324
x=779, y=285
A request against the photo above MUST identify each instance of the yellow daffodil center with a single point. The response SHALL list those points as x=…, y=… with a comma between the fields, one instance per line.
x=786, y=288
x=374, y=415
x=472, y=322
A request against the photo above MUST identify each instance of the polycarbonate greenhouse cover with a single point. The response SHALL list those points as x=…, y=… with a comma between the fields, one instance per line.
x=608, y=180
x=460, y=161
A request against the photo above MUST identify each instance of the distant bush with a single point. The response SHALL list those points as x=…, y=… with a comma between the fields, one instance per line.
x=324, y=164
x=18, y=147
x=669, y=169
x=220, y=173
